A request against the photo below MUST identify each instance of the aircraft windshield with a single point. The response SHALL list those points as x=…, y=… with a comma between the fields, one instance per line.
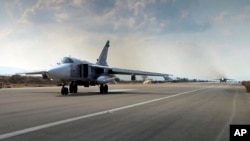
x=66, y=60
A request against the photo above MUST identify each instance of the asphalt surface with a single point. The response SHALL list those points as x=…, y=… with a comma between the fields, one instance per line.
x=132, y=112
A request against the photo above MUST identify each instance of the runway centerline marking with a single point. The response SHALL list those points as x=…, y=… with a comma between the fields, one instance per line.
x=43, y=126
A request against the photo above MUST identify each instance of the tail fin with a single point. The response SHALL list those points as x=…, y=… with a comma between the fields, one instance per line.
x=102, y=60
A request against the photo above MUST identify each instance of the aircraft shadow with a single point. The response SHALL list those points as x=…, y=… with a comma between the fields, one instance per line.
x=110, y=93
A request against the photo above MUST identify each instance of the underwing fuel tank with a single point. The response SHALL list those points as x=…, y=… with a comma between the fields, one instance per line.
x=105, y=79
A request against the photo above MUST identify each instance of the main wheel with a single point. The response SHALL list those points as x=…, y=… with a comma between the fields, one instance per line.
x=64, y=91
x=105, y=89
x=101, y=89
x=73, y=87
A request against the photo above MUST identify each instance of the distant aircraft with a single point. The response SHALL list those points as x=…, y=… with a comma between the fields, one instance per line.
x=223, y=80
x=79, y=72
x=174, y=79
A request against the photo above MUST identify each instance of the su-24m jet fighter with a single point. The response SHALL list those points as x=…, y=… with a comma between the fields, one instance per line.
x=84, y=73
x=223, y=80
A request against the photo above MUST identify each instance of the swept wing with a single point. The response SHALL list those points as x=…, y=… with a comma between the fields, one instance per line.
x=136, y=72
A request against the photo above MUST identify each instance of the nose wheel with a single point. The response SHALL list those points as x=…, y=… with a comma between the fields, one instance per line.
x=72, y=88
x=64, y=90
x=103, y=89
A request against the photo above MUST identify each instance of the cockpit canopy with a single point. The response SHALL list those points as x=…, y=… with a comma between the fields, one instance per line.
x=67, y=60
x=70, y=60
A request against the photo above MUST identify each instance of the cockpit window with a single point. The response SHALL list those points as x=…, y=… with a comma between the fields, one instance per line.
x=66, y=60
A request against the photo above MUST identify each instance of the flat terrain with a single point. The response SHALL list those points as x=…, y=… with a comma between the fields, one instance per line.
x=131, y=112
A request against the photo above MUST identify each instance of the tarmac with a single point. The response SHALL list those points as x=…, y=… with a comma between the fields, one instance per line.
x=130, y=112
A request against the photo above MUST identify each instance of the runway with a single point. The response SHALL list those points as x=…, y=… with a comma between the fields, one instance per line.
x=173, y=112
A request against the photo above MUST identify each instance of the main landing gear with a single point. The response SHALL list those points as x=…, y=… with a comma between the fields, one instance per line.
x=72, y=88
x=104, y=89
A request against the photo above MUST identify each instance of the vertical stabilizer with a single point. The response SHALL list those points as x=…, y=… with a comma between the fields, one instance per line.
x=102, y=60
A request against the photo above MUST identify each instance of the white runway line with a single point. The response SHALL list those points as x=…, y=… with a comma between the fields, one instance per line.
x=39, y=127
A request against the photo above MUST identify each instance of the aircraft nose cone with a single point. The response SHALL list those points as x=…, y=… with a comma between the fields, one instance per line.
x=59, y=72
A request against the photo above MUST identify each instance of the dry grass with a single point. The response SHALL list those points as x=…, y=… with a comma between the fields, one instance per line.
x=17, y=81
x=247, y=85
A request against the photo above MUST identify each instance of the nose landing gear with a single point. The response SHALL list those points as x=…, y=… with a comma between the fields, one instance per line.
x=72, y=88
x=64, y=90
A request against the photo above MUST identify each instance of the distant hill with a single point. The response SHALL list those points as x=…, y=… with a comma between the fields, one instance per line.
x=11, y=70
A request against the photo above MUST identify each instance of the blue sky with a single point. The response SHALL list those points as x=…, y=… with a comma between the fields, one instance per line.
x=192, y=38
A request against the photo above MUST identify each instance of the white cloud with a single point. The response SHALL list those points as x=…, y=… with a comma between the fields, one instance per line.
x=5, y=32
x=29, y=11
x=227, y=32
x=77, y=2
x=184, y=14
x=234, y=17
x=171, y=36
x=221, y=17
x=61, y=17
x=242, y=18
x=137, y=7
x=52, y=7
